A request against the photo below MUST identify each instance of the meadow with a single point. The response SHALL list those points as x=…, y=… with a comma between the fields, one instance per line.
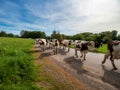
x=17, y=70
x=102, y=49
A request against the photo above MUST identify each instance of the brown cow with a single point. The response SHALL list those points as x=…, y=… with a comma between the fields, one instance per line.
x=113, y=52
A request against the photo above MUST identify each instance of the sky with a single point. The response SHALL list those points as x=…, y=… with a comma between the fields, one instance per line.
x=65, y=16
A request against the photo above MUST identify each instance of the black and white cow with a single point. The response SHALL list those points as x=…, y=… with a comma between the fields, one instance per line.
x=113, y=52
x=42, y=43
x=97, y=45
x=83, y=47
x=37, y=41
x=55, y=45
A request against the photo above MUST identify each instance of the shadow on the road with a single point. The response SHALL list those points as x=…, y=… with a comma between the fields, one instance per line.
x=75, y=64
x=111, y=77
x=61, y=51
x=45, y=54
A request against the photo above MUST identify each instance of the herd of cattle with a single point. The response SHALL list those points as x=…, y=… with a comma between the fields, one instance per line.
x=83, y=47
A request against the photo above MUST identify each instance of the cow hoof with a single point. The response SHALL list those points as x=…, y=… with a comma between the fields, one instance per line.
x=114, y=69
x=84, y=59
x=80, y=56
x=76, y=56
x=103, y=62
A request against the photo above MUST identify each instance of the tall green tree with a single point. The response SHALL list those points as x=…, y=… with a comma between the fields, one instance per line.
x=32, y=34
x=3, y=34
x=118, y=37
x=56, y=35
x=114, y=34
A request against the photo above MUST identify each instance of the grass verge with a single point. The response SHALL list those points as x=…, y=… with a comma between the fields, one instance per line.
x=17, y=71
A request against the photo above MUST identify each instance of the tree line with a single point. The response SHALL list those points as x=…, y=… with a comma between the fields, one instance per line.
x=32, y=34
x=104, y=37
x=4, y=34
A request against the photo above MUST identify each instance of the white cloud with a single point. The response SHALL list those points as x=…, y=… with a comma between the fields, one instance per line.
x=79, y=15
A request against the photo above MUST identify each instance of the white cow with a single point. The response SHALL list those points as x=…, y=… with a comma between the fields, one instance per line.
x=43, y=44
x=66, y=43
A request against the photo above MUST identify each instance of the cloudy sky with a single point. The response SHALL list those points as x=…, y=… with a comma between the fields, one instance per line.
x=66, y=16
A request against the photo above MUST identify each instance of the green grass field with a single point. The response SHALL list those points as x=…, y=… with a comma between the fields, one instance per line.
x=17, y=70
x=102, y=49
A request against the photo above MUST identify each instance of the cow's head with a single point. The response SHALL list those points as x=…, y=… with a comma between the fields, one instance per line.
x=98, y=44
x=70, y=42
x=41, y=42
x=91, y=44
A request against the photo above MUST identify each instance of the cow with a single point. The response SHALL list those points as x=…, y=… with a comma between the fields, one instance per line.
x=55, y=45
x=37, y=41
x=42, y=43
x=97, y=45
x=113, y=52
x=83, y=47
x=49, y=43
x=66, y=43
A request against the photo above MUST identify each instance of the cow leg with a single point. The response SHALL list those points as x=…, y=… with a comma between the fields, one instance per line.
x=112, y=61
x=43, y=48
x=63, y=47
x=56, y=50
x=81, y=54
x=84, y=56
x=68, y=49
x=105, y=57
x=76, y=53
x=113, y=64
x=60, y=46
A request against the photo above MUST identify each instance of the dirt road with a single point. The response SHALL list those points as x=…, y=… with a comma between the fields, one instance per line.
x=89, y=72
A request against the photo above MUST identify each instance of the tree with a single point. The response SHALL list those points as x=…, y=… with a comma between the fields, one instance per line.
x=32, y=34
x=3, y=34
x=78, y=37
x=114, y=35
x=106, y=36
x=48, y=37
x=63, y=36
x=10, y=35
x=97, y=38
x=118, y=38
x=56, y=35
